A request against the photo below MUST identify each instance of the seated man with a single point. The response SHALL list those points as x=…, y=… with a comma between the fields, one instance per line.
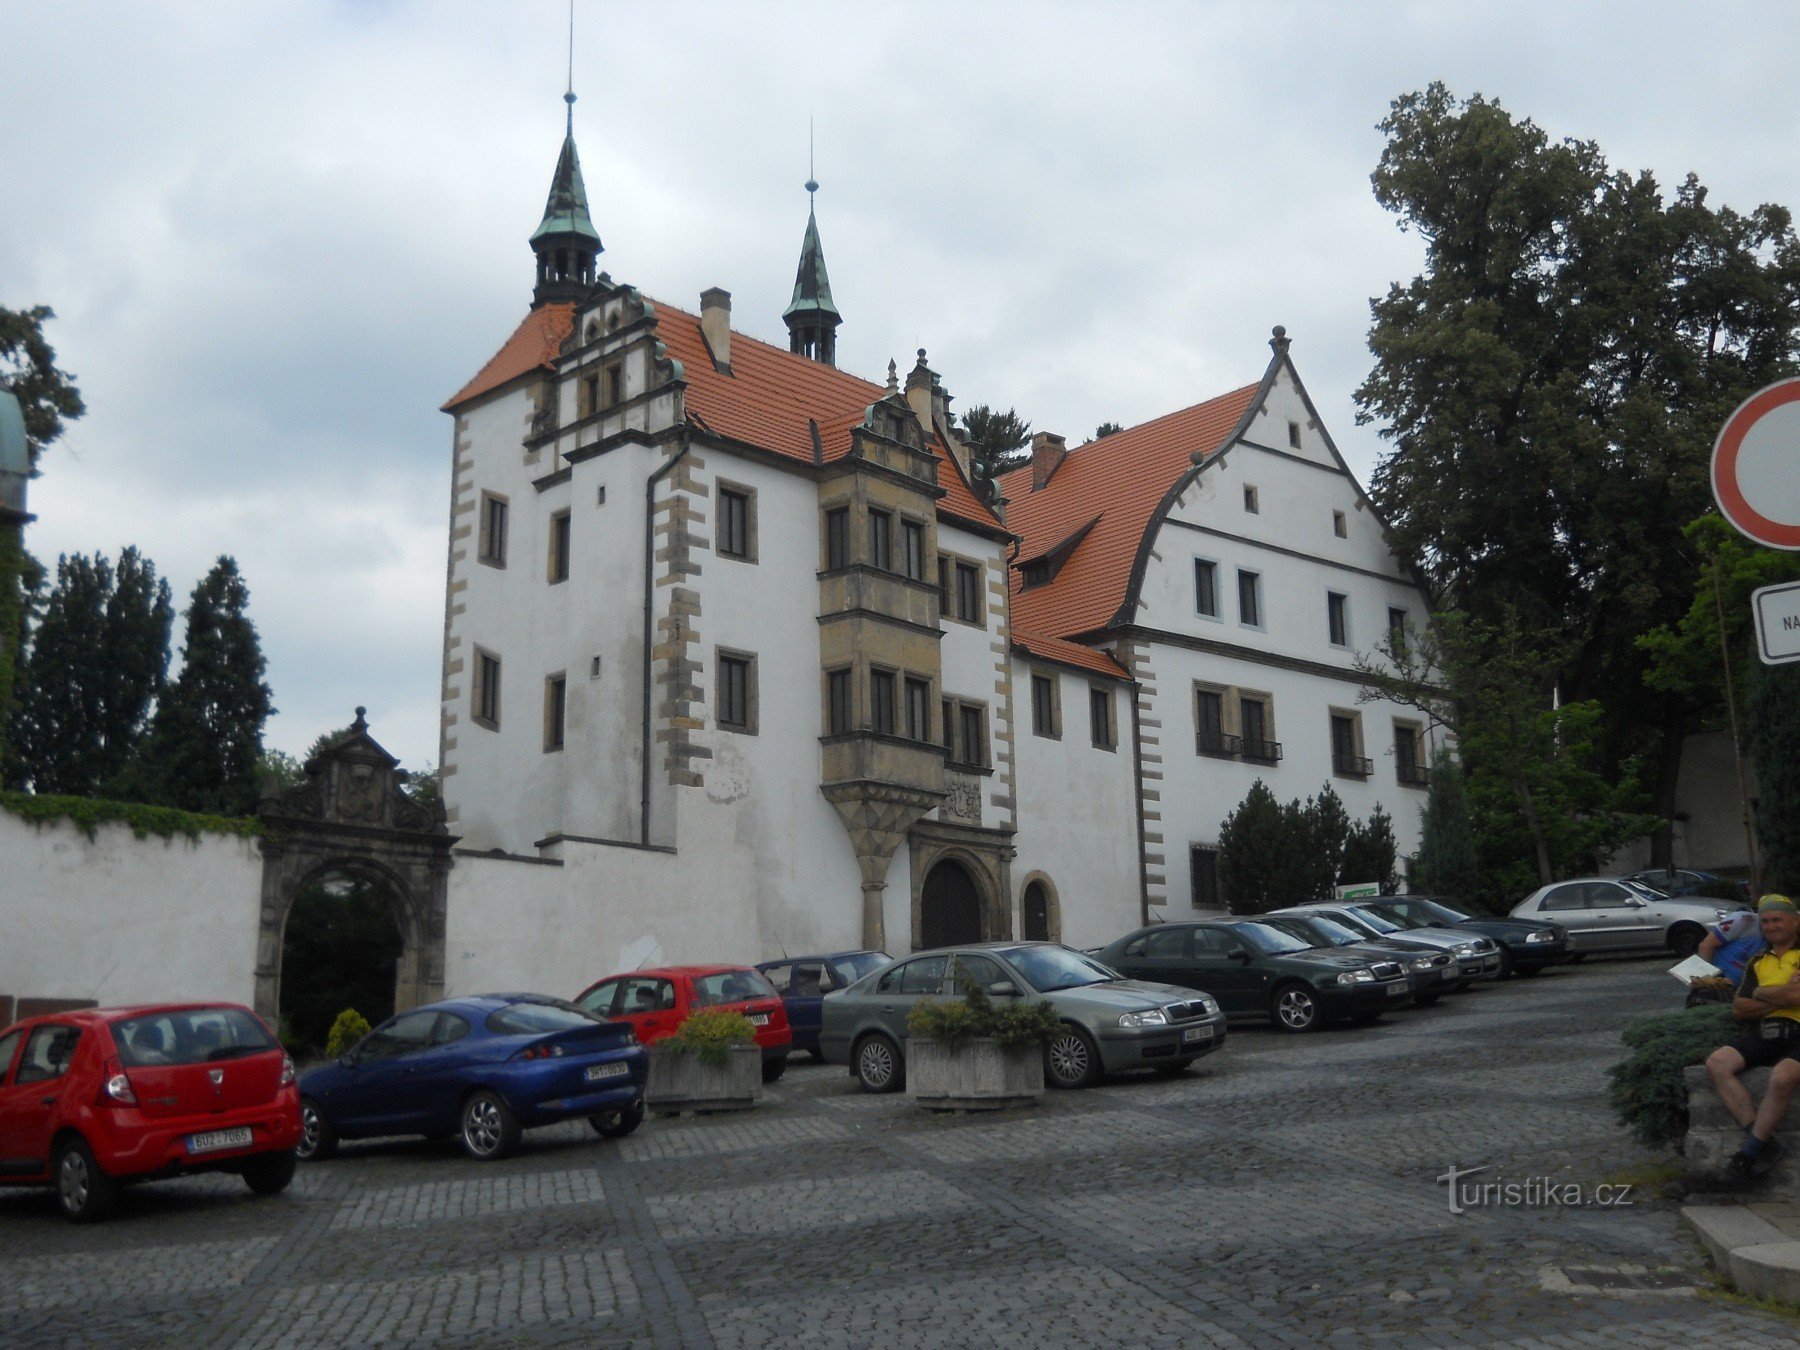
x=1767, y=1007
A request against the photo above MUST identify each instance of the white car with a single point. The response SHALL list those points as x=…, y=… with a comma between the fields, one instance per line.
x=1612, y=914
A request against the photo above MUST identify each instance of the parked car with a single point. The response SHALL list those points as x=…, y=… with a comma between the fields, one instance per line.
x=93, y=1100
x=803, y=982
x=1431, y=971
x=1526, y=946
x=1259, y=971
x=483, y=1068
x=1478, y=957
x=1109, y=1023
x=656, y=1002
x=1692, y=881
x=1614, y=914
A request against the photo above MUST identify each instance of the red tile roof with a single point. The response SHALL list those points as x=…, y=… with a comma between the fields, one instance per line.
x=1122, y=477
x=770, y=399
x=1067, y=653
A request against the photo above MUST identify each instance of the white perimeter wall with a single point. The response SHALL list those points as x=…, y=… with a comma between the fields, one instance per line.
x=126, y=920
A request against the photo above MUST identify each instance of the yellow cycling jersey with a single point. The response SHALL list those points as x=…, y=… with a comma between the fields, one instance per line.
x=1772, y=969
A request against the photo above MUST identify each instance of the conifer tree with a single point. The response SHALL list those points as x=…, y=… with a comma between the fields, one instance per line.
x=1448, y=863
x=1370, y=852
x=1775, y=743
x=206, y=738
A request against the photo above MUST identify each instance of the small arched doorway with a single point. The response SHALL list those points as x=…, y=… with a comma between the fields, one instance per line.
x=949, y=907
x=1037, y=913
x=340, y=949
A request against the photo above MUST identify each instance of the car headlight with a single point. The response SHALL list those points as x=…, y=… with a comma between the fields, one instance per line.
x=1422, y=963
x=1357, y=977
x=1156, y=1017
x=1466, y=949
x=1210, y=1003
x=1540, y=936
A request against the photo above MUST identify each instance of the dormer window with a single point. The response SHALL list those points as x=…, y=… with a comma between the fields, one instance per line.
x=1037, y=573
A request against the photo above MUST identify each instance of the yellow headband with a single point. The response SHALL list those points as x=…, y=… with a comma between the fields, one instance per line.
x=1776, y=904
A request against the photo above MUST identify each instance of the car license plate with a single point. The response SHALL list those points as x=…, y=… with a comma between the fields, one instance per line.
x=213, y=1140
x=759, y=1019
x=598, y=1073
x=1397, y=989
x=1196, y=1035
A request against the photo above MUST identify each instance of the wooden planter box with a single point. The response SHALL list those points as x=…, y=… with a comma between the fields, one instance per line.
x=681, y=1081
x=977, y=1076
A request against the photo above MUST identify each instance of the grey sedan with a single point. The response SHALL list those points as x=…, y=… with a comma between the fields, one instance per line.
x=1109, y=1023
x=1613, y=914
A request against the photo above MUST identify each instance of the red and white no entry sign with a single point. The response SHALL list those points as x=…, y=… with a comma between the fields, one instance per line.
x=1756, y=466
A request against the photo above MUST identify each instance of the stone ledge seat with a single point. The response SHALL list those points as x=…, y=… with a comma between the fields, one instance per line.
x=1713, y=1136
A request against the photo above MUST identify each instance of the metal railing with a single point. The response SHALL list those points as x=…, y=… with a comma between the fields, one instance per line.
x=1262, y=752
x=1219, y=744
x=1352, y=766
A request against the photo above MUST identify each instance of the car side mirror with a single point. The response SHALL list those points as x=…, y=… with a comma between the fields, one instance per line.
x=1003, y=989
x=1239, y=954
x=1634, y=903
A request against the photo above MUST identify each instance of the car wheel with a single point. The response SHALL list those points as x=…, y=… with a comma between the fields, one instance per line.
x=879, y=1067
x=83, y=1190
x=617, y=1124
x=774, y=1068
x=1685, y=939
x=271, y=1173
x=489, y=1128
x=1507, y=968
x=318, y=1141
x=1296, y=1008
x=1071, y=1059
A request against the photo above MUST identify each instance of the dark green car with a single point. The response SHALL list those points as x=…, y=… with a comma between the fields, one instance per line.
x=1257, y=971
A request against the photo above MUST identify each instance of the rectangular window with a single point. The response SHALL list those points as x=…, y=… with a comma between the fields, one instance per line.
x=615, y=384
x=1100, y=718
x=1203, y=876
x=1340, y=524
x=737, y=692
x=737, y=523
x=973, y=726
x=1346, y=746
x=1397, y=631
x=1252, y=503
x=587, y=400
x=1256, y=724
x=1409, y=756
x=947, y=725
x=881, y=701
x=1043, y=705
x=1206, y=587
x=556, y=698
x=493, y=530
x=1294, y=435
x=839, y=713
x=881, y=540
x=918, y=710
x=968, y=593
x=1249, y=599
x=561, y=527
x=1209, y=724
x=486, y=711
x=944, y=586
x=912, y=549
x=837, y=538
x=1337, y=618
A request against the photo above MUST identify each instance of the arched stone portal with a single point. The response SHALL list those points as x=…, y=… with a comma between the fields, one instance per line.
x=349, y=815
x=950, y=906
x=1040, y=918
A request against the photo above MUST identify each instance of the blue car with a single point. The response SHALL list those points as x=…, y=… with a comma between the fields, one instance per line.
x=482, y=1068
x=803, y=982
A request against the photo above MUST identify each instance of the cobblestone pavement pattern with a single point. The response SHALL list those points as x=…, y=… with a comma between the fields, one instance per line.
x=1284, y=1193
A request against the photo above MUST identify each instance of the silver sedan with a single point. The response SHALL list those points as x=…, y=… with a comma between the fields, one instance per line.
x=1109, y=1023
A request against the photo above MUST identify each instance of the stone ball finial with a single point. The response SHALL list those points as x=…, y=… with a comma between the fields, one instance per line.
x=361, y=723
x=1279, y=332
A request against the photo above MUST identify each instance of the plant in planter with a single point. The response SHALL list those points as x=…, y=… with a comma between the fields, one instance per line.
x=971, y=1054
x=711, y=1063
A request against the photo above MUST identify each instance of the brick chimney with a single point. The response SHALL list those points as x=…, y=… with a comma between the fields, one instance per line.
x=715, y=325
x=1048, y=450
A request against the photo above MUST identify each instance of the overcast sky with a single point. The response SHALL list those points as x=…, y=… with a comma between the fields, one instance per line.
x=278, y=236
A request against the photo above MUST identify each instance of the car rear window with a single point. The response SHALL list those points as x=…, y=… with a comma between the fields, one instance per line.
x=537, y=1019
x=191, y=1036
x=731, y=986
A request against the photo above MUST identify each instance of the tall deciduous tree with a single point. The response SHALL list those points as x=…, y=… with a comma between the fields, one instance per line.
x=1551, y=383
x=206, y=739
x=996, y=442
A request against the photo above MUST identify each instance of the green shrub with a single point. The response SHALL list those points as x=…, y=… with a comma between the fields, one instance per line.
x=975, y=1016
x=1648, y=1091
x=710, y=1034
x=350, y=1027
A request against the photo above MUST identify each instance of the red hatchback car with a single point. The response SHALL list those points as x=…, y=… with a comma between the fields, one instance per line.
x=93, y=1099
x=656, y=1002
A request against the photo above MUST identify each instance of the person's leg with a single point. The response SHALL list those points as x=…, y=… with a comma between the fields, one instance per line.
x=1723, y=1066
x=1783, y=1078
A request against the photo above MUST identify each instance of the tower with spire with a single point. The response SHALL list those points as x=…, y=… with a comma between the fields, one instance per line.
x=566, y=243
x=811, y=317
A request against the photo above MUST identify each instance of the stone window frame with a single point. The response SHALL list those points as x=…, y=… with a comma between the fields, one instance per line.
x=1230, y=741
x=747, y=495
x=1107, y=724
x=892, y=676
x=1358, y=766
x=1054, y=704
x=561, y=547
x=1265, y=699
x=485, y=688
x=880, y=538
x=914, y=527
x=749, y=725
x=909, y=683
x=951, y=569
x=492, y=529
x=832, y=560
x=1194, y=852
x=839, y=678
x=1421, y=768
x=556, y=711
x=1214, y=566
x=1337, y=619
x=956, y=739
x=1260, y=623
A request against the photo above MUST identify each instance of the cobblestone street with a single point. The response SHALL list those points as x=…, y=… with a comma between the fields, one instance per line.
x=1285, y=1192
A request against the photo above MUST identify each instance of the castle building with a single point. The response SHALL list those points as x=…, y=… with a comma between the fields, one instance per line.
x=739, y=659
